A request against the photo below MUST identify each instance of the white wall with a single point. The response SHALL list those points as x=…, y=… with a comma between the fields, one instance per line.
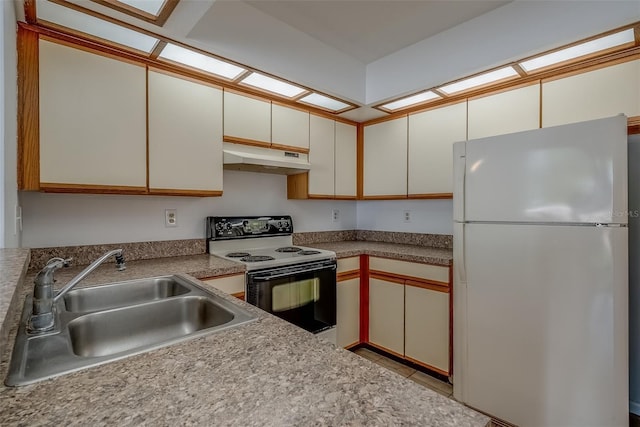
x=426, y=216
x=79, y=219
x=8, y=154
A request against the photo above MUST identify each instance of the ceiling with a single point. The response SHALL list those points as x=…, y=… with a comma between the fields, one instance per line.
x=370, y=51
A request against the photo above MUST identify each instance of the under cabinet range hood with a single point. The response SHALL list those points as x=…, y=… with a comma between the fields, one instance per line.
x=265, y=160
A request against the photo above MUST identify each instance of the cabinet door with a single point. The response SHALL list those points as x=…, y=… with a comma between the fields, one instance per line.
x=185, y=135
x=247, y=119
x=506, y=112
x=593, y=95
x=321, y=156
x=346, y=160
x=430, y=160
x=386, y=315
x=289, y=129
x=385, y=159
x=348, y=312
x=92, y=119
x=427, y=327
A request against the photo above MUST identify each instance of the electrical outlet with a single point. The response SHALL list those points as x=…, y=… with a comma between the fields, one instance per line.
x=335, y=215
x=170, y=217
x=407, y=216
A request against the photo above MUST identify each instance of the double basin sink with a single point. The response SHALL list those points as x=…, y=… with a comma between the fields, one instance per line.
x=100, y=324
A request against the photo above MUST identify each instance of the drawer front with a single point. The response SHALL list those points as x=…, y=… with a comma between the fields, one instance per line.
x=437, y=273
x=229, y=284
x=348, y=264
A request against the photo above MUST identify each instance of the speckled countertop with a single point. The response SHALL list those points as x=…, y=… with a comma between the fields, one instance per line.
x=413, y=253
x=265, y=373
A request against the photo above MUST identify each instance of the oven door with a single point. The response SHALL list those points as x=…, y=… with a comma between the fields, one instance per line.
x=303, y=294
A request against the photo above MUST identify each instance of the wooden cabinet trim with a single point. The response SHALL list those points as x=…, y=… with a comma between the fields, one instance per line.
x=387, y=277
x=386, y=350
x=245, y=141
x=222, y=276
x=52, y=187
x=298, y=186
x=348, y=275
x=178, y=75
x=389, y=197
x=597, y=64
x=426, y=365
x=431, y=196
x=185, y=193
x=239, y=295
x=432, y=285
x=28, y=110
x=633, y=125
x=283, y=147
x=506, y=89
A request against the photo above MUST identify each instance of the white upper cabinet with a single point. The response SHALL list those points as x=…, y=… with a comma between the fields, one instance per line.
x=505, y=112
x=385, y=159
x=247, y=119
x=430, y=160
x=92, y=119
x=346, y=160
x=185, y=135
x=322, y=157
x=289, y=128
x=592, y=95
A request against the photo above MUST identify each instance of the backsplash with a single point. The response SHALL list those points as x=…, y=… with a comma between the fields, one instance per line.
x=85, y=254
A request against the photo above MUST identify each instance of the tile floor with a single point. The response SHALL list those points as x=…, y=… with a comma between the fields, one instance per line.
x=417, y=376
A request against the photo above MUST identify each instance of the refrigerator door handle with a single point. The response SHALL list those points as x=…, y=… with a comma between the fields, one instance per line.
x=458, y=252
x=459, y=177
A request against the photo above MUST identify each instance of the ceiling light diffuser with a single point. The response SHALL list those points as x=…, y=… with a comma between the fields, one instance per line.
x=411, y=100
x=150, y=6
x=479, y=80
x=324, y=102
x=93, y=26
x=582, y=49
x=270, y=84
x=206, y=63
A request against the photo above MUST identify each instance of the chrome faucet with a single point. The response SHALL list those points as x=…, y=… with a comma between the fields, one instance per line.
x=42, y=316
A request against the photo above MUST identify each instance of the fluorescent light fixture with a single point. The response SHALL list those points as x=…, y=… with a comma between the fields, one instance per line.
x=200, y=61
x=270, y=84
x=411, y=100
x=324, y=102
x=91, y=25
x=150, y=6
x=479, y=80
x=582, y=49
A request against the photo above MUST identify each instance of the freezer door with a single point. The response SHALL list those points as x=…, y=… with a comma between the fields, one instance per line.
x=459, y=170
x=547, y=324
x=574, y=173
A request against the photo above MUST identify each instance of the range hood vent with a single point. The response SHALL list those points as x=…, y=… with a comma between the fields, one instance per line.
x=265, y=160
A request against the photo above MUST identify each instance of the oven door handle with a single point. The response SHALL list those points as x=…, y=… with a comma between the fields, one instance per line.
x=291, y=272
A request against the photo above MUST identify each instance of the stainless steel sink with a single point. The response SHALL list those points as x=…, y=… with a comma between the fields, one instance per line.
x=123, y=293
x=104, y=323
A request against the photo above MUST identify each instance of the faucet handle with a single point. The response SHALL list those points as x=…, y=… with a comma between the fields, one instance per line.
x=58, y=262
x=120, y=264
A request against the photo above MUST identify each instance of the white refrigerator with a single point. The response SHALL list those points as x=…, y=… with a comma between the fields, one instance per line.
x=540, y=275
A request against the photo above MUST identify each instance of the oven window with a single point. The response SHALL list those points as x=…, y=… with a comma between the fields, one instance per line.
x=292, y=295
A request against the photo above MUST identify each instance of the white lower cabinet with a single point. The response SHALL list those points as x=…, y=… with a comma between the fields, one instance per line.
x=386, y=315
x=409, y=311
x=426, y=314
x=233, y=285
x=348, y=312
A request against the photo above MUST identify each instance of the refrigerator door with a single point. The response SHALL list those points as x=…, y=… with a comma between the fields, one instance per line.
x=459, y=171
x=546, y=319
x=574, y=173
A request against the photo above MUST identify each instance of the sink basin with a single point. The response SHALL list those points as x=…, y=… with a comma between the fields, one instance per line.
x=114, y=331
x=123, y=293
x=105, y=323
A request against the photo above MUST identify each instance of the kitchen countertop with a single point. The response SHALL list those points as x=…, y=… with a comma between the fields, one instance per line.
x=413, y=253
x=267, y=372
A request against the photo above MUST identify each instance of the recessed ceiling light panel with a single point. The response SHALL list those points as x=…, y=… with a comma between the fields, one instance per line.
x=324, y=102
x=411, y=100
x=150, y=6
x=206, y=63
x=479, y=80
x=93, y=26
x=270, y=84
x=582, y=49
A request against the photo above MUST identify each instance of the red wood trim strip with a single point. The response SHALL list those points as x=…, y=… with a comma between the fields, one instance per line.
x=431, y=196
x=245, y=141
x=416, y=281
x=290, y=148
x=426, y=365
x=364, y=298
x=51, y=187
x=348, y=275
x=386, y=350
x=185, y=193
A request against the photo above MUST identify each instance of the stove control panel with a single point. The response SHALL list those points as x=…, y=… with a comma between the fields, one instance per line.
x=237, y=227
